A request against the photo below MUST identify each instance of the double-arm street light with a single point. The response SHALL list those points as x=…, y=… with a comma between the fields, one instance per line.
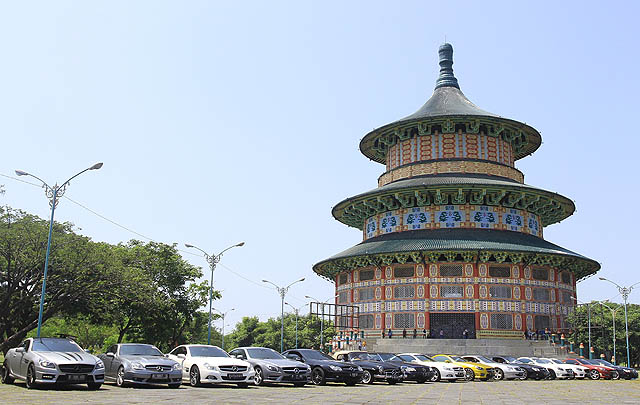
x=296, y=311
x=223, y=315
x=613, y=315
x=53, y=193
x=321, y=317
x=282, y=291
x=624, y=291
x=213, y=261
x=588, y=304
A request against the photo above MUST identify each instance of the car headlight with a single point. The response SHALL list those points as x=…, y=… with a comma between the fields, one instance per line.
x=447, y=368
x=335, y=368
x=535, y=368
x=308, y=369
x=99, y=364
x=137, y=366
x=274, y=368
x=209, y=366
x=380, y=369
x=177, y=366
x=410, y=369
x=360, y=368
x=46, y=364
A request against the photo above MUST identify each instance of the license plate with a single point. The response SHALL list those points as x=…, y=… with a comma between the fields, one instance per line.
x=354, y=374
x=76, y=378
x=159, y=376
x=235, y=376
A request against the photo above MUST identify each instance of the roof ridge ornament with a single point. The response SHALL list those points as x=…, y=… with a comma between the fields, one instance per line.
x=446, y=78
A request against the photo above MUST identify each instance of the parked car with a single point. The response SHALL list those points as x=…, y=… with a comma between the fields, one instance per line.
x=555, y=370
x=500, y=371
x=441, y=370
x=374, y=369
x=136, y=363
x=472, y=370
x=205, y=364
x=272, y=367
x=579, y=371
x=627, y=373
x=52, y=361
x=325, y=368
x=411, y=371
x=531, y=371
x=596, y=370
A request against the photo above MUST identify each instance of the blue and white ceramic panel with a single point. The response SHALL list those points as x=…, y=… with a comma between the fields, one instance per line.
x=513, y=220
x=450, y=217
x=389, y=222
x=484, y=217
x=417, y=218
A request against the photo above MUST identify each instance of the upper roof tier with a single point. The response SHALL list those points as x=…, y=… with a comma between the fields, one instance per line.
x=447, y=111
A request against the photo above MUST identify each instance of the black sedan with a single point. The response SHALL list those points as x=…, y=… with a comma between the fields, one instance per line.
x=627, y=373
x=532, y=371
x=411, y=371
x=324, y=368
x=374, y=369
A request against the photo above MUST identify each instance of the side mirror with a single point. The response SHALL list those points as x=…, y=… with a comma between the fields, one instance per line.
x=19, y=349
x=241, y=357
x=110, y=354
x=182, y=356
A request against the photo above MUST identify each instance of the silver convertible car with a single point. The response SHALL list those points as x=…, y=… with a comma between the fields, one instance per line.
x=272, y=367
x=52, y=361
x=136, y=363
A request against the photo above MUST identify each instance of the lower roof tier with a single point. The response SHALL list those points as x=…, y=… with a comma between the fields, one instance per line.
x=453, y=189
x=453, y=245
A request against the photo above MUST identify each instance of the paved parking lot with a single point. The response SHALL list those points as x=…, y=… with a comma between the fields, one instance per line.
x=504, y=392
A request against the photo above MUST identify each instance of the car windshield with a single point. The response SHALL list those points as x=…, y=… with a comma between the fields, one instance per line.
x=422, y=357
x=364, y=356
x=510, y=359
x=456, y=358
x=556, y=361
x=484, y=359
x=316, y=355
x=55, y=345
x=542, y=361
x=604, y=363
x=139, y=350
x=592, y=362
x=264, y=353
x=207, y=351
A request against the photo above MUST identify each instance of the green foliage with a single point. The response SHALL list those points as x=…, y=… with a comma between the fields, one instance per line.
x=251, y=332
x=602, y=322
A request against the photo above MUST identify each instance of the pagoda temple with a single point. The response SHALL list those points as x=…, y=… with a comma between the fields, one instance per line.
x=452, y=236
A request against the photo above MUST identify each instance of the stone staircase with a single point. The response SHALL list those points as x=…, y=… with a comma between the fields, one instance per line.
x=505, y=347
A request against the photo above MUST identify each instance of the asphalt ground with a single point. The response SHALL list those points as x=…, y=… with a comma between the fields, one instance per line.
x=501, y=392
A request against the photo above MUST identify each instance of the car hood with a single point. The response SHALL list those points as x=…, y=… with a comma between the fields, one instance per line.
x=154, y=360
x=221, y=361
x=281, y=362
x=67, y=357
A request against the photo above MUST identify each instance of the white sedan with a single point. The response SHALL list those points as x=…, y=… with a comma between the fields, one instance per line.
x=556, y=370
x=204, y=364
x=444, y=371
x=579, y=371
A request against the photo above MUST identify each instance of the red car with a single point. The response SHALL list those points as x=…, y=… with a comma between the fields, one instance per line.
x=596, y=371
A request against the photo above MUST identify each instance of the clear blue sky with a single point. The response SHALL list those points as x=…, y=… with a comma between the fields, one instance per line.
x=240, y=121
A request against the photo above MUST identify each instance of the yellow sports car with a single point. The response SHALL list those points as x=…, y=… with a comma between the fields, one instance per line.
x=472, y=370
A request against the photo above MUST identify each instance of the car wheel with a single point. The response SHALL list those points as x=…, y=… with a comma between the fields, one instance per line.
x=6, y=374
x=552, y=375
x=317, y=376
x=594, y=374
x=120, y=382
x=242, y=385
x=469, y=375
x=194, y=376
x=499, y=375
x=367, y=377
x=31, y=377
x=94, y=385
x=524, y=376
x=436, y=376
x=615, y=375
x=174, y=385
x=259, y=377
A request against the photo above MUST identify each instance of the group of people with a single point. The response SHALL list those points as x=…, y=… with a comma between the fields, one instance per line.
x=425, y=334
x=540, y=334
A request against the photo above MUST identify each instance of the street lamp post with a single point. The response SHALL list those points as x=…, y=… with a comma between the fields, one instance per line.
x=282, y=291
x=53, y=194
x=213, y=261
x=321, y=318
x=588, y=304
x=613, y=315
x=223, y=315
x=296, y=311
x=624, y=291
